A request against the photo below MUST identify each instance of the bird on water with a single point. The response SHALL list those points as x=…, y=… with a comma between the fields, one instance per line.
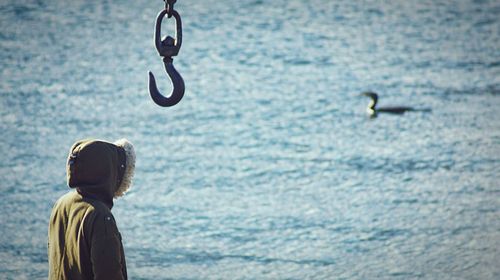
x=372, y=110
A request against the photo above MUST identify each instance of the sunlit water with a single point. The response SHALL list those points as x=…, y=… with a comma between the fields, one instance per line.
x=269, y=168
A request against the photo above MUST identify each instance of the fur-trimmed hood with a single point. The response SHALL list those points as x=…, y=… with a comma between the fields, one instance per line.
x=126, y=181
x=100, y=169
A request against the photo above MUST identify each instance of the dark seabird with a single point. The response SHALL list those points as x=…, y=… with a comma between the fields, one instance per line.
x=391, y=110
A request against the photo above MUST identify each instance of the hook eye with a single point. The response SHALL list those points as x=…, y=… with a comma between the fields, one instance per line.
x=165, y=49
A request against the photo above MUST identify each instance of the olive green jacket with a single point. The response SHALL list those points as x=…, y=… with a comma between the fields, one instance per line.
x=83, y=239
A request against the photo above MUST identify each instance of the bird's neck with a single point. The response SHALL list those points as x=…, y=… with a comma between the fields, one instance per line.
x=371, y=105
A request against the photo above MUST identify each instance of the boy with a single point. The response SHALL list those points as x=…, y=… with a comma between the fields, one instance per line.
x=84, y=241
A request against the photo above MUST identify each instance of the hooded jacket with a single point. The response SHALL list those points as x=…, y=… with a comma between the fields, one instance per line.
x=83, y=238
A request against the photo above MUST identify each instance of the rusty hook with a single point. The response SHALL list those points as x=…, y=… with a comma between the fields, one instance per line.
x=167, y=48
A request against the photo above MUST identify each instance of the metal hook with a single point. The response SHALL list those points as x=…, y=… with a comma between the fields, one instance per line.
x=177, y=83
x=167, y=48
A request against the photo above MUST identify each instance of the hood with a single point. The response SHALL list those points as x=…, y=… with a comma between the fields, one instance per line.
x=100, y=169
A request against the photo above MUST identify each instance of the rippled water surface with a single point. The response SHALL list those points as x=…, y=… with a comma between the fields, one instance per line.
x=269, y=168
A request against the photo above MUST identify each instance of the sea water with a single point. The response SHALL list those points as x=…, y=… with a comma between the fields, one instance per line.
x=269, y=167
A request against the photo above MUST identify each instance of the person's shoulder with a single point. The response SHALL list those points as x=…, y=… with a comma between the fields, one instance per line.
x=98, y=208
x=95, y=211
x=74, y=200
x=70, y=195
x=66, y=199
